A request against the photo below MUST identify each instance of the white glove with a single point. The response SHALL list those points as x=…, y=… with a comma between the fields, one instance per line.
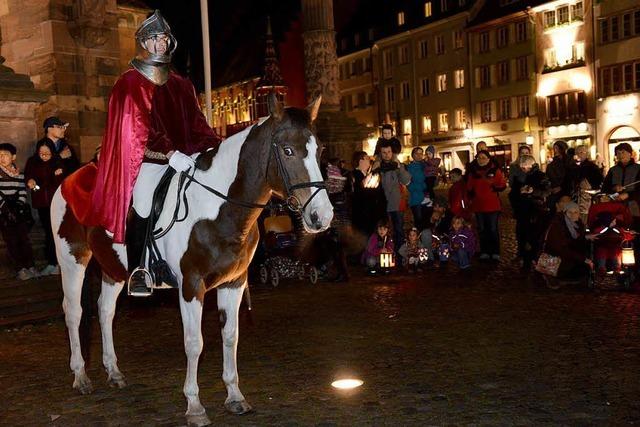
x=181, y=162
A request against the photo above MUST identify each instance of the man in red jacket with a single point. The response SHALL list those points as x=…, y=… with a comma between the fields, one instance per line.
x=153, y=117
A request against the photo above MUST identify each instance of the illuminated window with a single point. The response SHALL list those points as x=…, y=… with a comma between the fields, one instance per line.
x=562, y=15
x=426, y=124
x=458, y=78
x=577, y=12
x=406, y=126
x=400, y=19
x=427, y=9
x=549, y=18
x=443, y=122
x=442, y=82
x=461, y=118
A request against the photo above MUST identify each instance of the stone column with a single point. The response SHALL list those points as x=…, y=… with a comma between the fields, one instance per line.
x=320, y=58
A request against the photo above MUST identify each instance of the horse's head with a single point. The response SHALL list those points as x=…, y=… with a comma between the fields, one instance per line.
x=294, y=172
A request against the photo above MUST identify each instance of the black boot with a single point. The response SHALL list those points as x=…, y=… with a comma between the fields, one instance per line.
x=136, y=239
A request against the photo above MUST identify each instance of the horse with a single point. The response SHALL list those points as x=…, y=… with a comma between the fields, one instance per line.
x=211, y=248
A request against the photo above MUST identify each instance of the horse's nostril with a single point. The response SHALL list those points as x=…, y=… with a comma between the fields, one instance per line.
x=314, y=217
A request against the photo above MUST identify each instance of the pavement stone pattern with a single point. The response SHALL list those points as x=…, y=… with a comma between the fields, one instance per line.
x=486, y=347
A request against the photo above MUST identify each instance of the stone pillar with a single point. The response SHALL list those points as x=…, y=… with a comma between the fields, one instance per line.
x=341, y=135
x=320, y=58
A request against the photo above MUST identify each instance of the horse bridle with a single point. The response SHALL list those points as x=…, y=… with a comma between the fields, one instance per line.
x=292, y=202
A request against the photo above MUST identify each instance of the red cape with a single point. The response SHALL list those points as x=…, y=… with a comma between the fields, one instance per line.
x=142, y=114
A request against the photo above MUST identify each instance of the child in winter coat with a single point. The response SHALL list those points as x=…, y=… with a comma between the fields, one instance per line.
x=463, y=242
x=458, y=199
x=379, y=242
x=413, y=254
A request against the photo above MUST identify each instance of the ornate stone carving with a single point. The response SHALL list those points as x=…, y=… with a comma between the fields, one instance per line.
x=321, y=67
x=88, y=23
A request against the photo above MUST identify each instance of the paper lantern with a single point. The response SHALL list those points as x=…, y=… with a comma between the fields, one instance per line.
x=387, y=260
x=628, y=257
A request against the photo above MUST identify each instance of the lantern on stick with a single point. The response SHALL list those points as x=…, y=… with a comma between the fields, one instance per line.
x=628, y=256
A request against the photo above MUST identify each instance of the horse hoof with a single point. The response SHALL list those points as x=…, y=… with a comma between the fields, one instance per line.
x=198, y=420
x=83, y=385
x=238, y=408
x=119, y=382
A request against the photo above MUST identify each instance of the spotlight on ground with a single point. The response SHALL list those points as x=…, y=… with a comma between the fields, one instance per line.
x=347, y=383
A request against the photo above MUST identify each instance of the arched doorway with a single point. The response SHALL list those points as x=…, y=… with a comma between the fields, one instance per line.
x=619, y=135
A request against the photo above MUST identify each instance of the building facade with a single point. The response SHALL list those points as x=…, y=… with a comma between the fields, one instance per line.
x=502, y=62
x=565, y=75
x=617, y=48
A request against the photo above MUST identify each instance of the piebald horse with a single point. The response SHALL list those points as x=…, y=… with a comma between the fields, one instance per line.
x=210, y=249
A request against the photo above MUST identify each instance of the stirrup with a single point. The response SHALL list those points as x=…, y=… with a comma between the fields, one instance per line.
x=140, y=289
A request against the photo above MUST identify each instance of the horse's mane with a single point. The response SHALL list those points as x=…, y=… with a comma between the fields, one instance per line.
x=205, y=159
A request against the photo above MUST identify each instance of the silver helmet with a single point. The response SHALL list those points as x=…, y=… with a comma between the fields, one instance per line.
x=155, y=25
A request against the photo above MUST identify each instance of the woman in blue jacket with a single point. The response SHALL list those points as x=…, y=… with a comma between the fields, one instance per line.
x=417, y=188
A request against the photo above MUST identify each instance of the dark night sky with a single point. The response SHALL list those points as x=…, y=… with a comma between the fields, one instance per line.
x=237, y=31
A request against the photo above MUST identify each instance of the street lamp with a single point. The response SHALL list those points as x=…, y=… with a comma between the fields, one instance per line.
x=529, y=139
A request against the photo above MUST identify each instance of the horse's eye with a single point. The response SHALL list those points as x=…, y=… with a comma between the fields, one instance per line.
x=288, y=151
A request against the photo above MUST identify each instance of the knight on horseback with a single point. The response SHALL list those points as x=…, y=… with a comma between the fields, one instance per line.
x=154, y=126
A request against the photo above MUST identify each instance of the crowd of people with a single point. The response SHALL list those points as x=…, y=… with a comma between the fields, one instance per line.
x=395, y=206
x=53, y=160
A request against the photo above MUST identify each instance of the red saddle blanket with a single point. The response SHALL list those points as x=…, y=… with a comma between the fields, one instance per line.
x=77, y=189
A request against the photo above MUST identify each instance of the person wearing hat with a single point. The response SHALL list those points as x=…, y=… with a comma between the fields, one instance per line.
x=54, y=130
x=622, y=180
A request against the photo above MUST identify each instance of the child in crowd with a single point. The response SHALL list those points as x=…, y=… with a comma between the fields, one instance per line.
x=431, y=171
x=458, y=197
x=463, y=243
x=379, y=242
x=438, y=226
x=15, y=214
x=603, y=218
x=413, y=254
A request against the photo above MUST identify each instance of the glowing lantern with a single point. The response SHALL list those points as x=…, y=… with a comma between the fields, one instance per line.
x=387, y=260
x=423, y=255
x=628, y=257
x=371, y=181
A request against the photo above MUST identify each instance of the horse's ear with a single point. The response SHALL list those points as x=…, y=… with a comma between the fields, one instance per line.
x=313, y=108
x=275, y=108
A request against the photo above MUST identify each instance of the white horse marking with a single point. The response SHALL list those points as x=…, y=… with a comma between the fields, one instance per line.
x=320, y=204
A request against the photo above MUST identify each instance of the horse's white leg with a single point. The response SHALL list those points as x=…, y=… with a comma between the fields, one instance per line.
x=107, y=308
x=72, y=277
x=191, y=322
x=229, y=299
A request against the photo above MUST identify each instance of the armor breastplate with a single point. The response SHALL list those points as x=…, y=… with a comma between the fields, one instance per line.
x=158, y=74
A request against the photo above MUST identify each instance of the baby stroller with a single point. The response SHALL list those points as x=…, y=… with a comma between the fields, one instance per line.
x=279, y=244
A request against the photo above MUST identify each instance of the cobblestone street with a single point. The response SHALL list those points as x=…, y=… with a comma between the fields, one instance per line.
x=439, y=348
